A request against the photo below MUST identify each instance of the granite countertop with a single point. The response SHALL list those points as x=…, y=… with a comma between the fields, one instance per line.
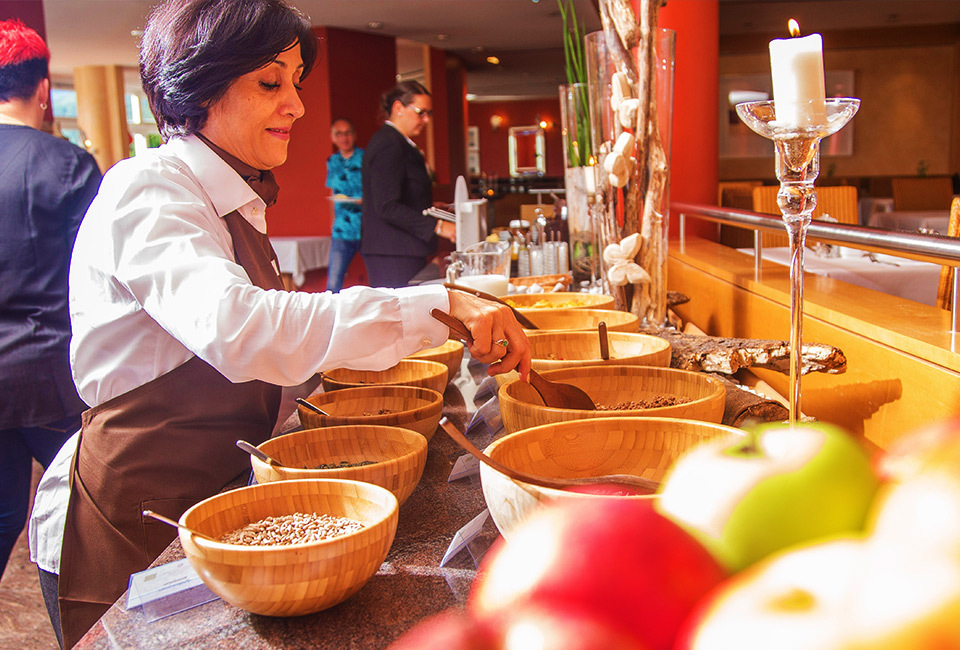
x=409, y=586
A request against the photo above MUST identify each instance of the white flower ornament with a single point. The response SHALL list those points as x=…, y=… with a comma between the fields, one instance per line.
x=621, y=268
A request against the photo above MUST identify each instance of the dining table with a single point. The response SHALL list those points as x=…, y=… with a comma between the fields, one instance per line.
x=410, y=585
x=928, y=221
x=297, y=255
x=896, y=276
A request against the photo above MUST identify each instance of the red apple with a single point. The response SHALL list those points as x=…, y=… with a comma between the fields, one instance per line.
x=448, y=630
x=613, y=560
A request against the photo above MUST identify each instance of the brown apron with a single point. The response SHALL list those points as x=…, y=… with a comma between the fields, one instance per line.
x=163, y=446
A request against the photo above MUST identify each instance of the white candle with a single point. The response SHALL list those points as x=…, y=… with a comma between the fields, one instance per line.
x=796, y=65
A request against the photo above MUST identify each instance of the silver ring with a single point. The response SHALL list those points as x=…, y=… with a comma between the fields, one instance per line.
x=504, y=342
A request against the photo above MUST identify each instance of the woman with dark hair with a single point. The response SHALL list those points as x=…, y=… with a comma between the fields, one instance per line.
x=182, y=333
x=396, y=237
x=46, y=184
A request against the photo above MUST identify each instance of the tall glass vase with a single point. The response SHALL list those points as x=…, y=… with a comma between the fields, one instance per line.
x=578, y=176
x=631, y=108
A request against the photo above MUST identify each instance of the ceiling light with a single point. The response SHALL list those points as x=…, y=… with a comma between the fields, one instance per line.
x=471, y=97
x=442, y=37
x=478, y=49
x=136, y=32
x=493, y=60
x=373, y=24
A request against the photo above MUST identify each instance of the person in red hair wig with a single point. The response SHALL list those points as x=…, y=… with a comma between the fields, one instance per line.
x=46, y=185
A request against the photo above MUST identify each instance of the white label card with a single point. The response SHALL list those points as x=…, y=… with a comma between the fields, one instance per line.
x=464, y=536
x=464, y=466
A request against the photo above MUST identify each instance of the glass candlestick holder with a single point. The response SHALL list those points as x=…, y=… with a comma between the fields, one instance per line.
x=797, y=143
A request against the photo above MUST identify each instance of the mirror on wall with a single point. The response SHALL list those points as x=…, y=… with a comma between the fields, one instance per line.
x=527, y=146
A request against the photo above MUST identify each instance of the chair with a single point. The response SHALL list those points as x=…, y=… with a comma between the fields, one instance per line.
x=945, y=288
x=727, y=190
x=922, y=193
x=839, y=201
x=738, y=195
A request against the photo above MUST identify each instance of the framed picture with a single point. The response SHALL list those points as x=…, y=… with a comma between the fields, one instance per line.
x=738, y=141
x=473, y=138
x=473, y=163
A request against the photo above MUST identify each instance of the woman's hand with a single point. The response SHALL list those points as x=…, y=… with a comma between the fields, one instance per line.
x=447, y=230
x=492, y=325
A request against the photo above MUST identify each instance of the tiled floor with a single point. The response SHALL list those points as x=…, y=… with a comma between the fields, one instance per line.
x=24, y=624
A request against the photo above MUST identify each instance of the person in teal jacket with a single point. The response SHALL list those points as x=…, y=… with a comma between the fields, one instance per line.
x=344, y=178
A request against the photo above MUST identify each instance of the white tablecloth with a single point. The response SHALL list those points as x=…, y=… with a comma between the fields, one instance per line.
x=937, y=220
x=297, y=255
x=909, y=279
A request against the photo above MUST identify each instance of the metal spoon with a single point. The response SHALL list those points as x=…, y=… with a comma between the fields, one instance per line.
x=523, y=320
x=176, y=524
x=542, y=481
x=253, y=451
x=604, y=342
x=316, y=409
x=554, y=394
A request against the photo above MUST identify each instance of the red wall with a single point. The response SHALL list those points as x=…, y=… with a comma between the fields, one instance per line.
x=695, y=155
x=493, y=145
x=29, y=11
x=352, y=71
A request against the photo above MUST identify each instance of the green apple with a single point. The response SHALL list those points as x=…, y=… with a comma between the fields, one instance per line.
x=747, y=497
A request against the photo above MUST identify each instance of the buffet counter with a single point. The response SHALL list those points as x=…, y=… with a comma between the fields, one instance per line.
x=409, y=586
x=903, y=368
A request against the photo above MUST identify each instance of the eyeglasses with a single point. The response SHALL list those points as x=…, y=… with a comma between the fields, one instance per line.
x=338, y=134
x=421, y=112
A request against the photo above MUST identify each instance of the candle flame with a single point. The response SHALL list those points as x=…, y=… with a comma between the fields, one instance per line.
x=794, y=27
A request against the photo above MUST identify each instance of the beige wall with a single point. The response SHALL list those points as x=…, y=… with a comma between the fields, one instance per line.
x=908, y=102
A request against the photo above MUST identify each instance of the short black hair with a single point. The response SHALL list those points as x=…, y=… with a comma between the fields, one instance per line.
x=403, y=92
x=343, y=119
x=24, y=60
x=192, y=50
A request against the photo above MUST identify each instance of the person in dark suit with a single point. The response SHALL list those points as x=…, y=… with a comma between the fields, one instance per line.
x=396, y=237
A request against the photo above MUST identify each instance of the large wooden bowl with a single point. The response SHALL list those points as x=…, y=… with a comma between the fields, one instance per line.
x=645, y=447
x=409, y=372
x=583, y=319
x=296, y=579
x=449, y=354
x=522, y=408
x=568, y=349
x=398, y=456
x=410, y=407
x=560, y=300
x=545, y=281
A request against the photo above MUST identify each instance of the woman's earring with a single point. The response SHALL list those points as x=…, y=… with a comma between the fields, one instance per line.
x=43, y=106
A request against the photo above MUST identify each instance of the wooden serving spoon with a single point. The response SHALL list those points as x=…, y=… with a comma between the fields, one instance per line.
x=554, y=394
x=523, y=320
x=312, y=407
x=543, y=481
x=604, y=342
x=253, y=451
x=177, y=524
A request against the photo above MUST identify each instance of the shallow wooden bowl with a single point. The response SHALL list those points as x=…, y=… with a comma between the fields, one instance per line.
x=409, y=372
x=411, y=407
x=583, y=319
x=645, y=447
x=567, y=349
x=522, y=408
x=449, y=354
x=398, y=456
x=560, y=300
x=295, y=579
x=545, y=281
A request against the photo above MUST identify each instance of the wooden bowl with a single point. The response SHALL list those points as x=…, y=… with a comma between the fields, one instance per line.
x=560, y=300
x=583, y=319
x=552, y=350
x=398, y=456
x=410, y=407
x=295, y=579
x=449, y=354
x=545, y=281
x=409, y=372
x=522, y=408
x=645, y=447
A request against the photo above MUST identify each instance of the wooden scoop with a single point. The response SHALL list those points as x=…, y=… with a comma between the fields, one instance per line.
x=543, y=481
x=554, y=394
x=523, y=320
x=604, y=342
x=176, y=524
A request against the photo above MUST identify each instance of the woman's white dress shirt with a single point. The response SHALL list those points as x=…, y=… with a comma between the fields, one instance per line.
x=153, y=282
